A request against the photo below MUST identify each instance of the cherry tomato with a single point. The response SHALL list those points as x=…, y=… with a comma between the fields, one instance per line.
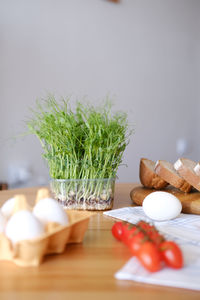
x=128, y=233
x=171, y=254
x=149, y=256
x=119, y=230
x=134, y=243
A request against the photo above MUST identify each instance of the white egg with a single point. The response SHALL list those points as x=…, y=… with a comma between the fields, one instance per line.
x=49, y=210
x=2, y=222
x=7, y=207
x=23, y=225
x=161, y=206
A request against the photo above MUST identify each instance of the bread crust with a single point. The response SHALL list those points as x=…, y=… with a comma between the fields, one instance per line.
x=148, y=177
x=187, y=172
x=170, y=175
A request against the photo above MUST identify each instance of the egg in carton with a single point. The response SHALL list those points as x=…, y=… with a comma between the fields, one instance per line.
x=30, y=233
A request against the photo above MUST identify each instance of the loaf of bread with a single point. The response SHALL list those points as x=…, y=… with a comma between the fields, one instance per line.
x=168, y=173
x=185, y=167
x=148, y=177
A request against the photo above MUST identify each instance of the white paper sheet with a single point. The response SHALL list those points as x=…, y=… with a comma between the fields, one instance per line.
x=185, y=230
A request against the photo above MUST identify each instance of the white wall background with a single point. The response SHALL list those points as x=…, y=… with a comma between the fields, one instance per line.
x=145, y=53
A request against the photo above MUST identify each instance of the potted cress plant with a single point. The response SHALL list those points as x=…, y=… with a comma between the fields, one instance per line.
x=83, y=149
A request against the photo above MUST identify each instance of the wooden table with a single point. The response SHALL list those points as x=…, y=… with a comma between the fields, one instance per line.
x=83, y=271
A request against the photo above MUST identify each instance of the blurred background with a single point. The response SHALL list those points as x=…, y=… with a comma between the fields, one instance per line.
x=144, y=53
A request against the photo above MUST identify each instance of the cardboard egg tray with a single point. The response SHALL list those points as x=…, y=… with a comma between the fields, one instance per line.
x=32, y=252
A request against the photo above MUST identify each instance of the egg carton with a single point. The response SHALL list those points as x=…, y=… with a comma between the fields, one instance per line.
x=32, y=252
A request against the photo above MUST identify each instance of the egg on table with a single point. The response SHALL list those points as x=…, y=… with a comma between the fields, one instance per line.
x=2, y=222
x=23, y=225
x=7, y=207
x=49, y=210
x=161, y=206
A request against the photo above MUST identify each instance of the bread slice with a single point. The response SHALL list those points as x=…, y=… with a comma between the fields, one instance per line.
x=197, y=168
x=148, y=177
x=167, y=172
x=185, y=167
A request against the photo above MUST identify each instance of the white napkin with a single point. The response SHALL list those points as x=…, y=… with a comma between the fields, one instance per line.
x=188, y=277
x=185, y=230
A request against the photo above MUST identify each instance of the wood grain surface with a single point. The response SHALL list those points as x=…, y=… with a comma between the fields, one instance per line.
x=190, y=201
x=83, y=271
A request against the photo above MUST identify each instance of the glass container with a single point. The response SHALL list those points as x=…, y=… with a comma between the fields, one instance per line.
x=84, y=194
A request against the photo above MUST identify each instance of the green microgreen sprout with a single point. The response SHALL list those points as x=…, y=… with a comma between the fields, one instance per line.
x=87, y=143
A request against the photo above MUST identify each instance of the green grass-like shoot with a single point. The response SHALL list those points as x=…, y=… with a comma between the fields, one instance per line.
x=87, y=143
